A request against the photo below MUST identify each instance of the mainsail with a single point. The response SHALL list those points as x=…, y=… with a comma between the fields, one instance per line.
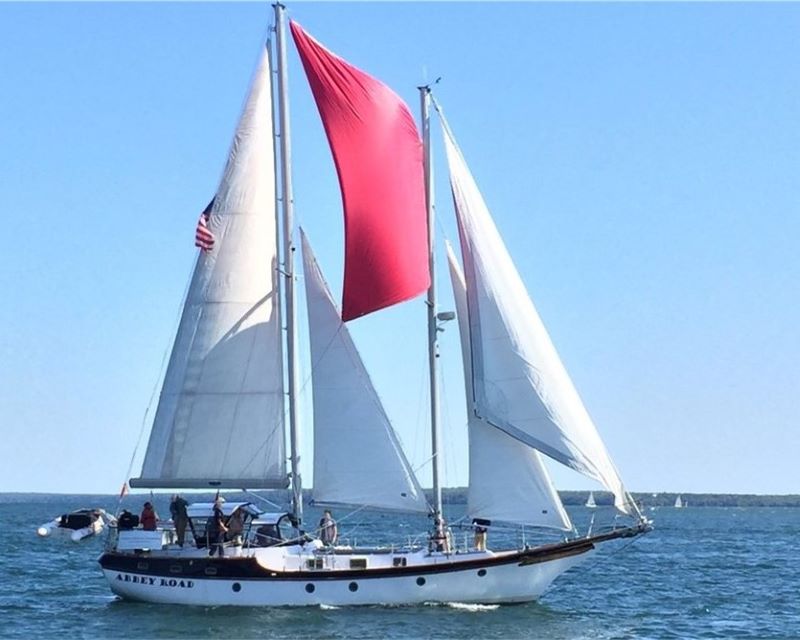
x=520, y=385
x=378, y=156
x=219, y=420
x=507, y=479
x=358, y=459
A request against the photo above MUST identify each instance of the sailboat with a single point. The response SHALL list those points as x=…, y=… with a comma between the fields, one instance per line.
x=590, y=503
x=679, y=502
x=232, y=377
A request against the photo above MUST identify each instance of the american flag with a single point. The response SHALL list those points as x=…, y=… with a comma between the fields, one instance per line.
x=203, y=237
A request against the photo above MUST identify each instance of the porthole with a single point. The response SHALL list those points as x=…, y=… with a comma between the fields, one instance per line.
x=481, y=572
x=353, y=586
x=176, y=568
x=310, y=588
x=236, y=587
x=420, y=581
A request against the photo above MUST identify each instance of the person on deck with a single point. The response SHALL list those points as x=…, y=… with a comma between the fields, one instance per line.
x=180, y=517
x=217, y=529
x=148, y=518
x=441, y=538
x=481, y=530
x=328, y=532
x=236, y=527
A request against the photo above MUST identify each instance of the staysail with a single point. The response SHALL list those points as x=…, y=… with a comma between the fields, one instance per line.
x=378, y=155
x=507, y=479
x=219, y=420
x=519, y=383
x=358, y=459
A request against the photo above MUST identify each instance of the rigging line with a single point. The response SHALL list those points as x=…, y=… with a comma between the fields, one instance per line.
x=255, y=495
x=421, y=400
x=159, y=381
x=449, y=458
x=611, y=554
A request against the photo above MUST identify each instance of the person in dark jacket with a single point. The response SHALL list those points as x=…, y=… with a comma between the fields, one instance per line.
x=216, y=530
x=180, y=517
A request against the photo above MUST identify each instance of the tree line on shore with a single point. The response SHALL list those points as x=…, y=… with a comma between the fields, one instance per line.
x=458, y=495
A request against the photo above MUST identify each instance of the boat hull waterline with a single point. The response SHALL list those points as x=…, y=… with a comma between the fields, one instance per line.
x=478, y=577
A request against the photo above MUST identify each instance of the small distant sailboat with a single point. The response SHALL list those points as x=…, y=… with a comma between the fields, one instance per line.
x=679, y=502
x=590, y=503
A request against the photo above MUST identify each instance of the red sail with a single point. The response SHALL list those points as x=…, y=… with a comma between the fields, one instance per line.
x=378, y=154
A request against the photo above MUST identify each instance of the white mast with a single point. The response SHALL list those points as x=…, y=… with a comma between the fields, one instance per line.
x=287, y=203
x=433, y=328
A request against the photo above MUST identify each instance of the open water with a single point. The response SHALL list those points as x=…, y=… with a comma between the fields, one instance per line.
x=703, y=573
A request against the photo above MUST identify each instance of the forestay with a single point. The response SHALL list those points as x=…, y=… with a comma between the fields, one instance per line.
x=519, y=382
x=358, y=459
x=507, y=479
x=220, y=415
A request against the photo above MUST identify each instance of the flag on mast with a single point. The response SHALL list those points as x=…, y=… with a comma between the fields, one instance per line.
x=203, y=237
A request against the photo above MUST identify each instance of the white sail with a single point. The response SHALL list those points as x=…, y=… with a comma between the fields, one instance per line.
x=358, y=459
x=220, y=415
x=519, y=382
x=590, y=501
x=507, y=479
x=679, y=502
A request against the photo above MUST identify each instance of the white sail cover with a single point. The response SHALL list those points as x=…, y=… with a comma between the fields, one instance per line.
x=220, y=415
x=358, y=459
x=519, y=382
x=507, y=479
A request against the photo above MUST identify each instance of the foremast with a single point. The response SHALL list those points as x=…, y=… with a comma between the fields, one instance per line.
x=286, y=199
x=433, y=327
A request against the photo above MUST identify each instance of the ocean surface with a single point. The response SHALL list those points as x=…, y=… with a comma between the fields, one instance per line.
x=702, y=573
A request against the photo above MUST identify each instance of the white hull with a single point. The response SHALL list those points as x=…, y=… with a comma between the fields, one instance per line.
x=438, y=580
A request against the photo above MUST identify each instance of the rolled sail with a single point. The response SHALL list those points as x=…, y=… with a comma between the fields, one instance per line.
x=220, y=420
x=520, y=385
x=378, y=155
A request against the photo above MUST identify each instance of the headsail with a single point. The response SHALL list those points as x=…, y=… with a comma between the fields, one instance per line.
x=519, y=382
x=358, y=459
x=220, y=415
x=378, y=156
x=507, y=479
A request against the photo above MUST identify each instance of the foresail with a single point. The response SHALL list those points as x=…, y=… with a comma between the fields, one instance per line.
x=378, y=154
x=219, y=420
x=507, y=479
x=358, y=459
x=519, y=382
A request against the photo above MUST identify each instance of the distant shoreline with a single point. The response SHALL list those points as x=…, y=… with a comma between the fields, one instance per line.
x=458, y=495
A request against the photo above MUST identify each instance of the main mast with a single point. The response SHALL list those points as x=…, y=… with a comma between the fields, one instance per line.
x=433, y=328
x=287, y=204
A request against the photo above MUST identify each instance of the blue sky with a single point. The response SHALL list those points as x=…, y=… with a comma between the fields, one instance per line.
x=641, y=161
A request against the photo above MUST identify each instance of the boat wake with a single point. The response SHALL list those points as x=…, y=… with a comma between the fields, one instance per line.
x=465, y=606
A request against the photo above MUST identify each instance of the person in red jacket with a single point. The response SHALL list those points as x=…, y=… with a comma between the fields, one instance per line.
x=148, y=518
